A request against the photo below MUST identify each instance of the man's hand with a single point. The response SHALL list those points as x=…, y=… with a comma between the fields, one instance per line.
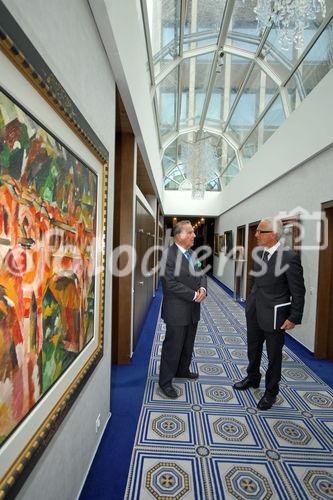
x=288, y=325
x=201, y=295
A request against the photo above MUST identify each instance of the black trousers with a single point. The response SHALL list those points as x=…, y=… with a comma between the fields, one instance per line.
x=274, y=345
x=177, y=352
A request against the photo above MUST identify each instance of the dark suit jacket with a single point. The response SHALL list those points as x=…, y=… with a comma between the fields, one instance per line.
x=179, y=283
x=273, y=288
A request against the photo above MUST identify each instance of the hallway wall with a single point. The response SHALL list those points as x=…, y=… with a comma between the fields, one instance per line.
x=121, y=28
x=66, y=36
x=307, y=186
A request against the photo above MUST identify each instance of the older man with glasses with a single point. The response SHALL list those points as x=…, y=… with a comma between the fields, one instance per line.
x=275, y=304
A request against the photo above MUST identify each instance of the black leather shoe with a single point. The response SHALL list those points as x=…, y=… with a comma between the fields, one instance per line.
x=169, y=392
x=244, y=384
x=266, y=402
x=190, y=375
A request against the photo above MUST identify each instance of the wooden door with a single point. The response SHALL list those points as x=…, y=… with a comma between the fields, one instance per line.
x=239, y=261
x=251, y=244
x=139, y=281
x=143, y=282
x=150, y=276
x=324, y=317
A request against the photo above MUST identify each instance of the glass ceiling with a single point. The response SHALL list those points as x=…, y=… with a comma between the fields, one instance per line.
x=215, y=78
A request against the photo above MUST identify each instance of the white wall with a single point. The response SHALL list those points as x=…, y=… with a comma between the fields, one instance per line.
x=182, y=203
x=66, y=36
x=121, y=28
x=307, y=186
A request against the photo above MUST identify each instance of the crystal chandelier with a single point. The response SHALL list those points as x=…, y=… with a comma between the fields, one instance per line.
x=291, y=18
x=199, y=159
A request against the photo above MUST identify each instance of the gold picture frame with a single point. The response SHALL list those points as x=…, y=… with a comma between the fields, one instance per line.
x=24, y=443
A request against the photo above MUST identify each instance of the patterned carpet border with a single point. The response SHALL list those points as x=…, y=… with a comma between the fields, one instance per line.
x=213, y=443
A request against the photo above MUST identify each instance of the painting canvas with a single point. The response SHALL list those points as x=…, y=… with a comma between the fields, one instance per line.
x=228, y=243
x=221, y=243
x=48, y=203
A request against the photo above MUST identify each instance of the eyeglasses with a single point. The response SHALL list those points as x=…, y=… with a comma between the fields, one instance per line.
x=261, y=231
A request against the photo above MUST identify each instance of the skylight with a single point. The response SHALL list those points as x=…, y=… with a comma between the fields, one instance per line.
x=215, y=79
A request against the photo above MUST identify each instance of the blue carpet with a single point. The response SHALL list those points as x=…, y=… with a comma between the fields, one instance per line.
x=213, y=443
x=322, y=367
x=108, y=474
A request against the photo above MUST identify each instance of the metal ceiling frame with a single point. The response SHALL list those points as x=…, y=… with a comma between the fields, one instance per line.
x=151, y=70
x=256, y=58
x=184, y=6
x=227, y=14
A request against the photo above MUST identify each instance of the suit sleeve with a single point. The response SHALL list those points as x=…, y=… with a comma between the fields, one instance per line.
x=297, y=289
x=203, y=281
x=173, y=285
x=252, y=281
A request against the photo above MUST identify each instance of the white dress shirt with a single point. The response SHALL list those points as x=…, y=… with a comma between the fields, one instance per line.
x=271, y=250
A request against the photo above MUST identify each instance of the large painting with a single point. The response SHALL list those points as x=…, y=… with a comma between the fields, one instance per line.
x=48, y=262
x=291, y=234
x=228, y=243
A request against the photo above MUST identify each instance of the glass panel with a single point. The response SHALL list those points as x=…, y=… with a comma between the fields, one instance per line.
x=266, y=127
x=230, y=75
x=225, y=153
x=283, y=59
x=202, y=26
x=167, y=94
x=164, y=23
x=214, y=185
x=295, y=91
x=194, y=79
x=170, y=184
x=169, y=158
x=315, y=66
x=243, y=27
x=257, y=93
x=230, y=172
x=177, y=177
x=202, y=23
x=277, y=62
x=187, y=68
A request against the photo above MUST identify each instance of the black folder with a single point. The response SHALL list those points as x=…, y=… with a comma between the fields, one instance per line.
x=281, y=312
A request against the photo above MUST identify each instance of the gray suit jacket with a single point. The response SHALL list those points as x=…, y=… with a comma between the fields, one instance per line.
x=282, y=282
x=179, y=282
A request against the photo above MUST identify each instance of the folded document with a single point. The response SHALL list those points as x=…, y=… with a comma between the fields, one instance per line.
x=278, y=310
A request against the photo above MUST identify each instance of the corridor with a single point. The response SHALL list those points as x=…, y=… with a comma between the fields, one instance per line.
x=212, y=442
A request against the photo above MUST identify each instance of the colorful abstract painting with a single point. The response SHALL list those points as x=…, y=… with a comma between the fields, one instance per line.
x=48, y=201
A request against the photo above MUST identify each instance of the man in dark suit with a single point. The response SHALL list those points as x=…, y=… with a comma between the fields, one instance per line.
x=184, y=287
x=275, y=304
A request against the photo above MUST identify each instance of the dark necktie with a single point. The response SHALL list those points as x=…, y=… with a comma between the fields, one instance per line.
x=188, y=255
x=265, y=256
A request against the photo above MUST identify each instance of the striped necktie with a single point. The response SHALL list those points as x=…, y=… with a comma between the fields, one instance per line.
x=187, y=254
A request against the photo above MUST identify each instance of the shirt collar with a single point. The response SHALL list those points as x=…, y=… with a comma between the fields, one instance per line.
x=273, y=249
x=182, y=249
